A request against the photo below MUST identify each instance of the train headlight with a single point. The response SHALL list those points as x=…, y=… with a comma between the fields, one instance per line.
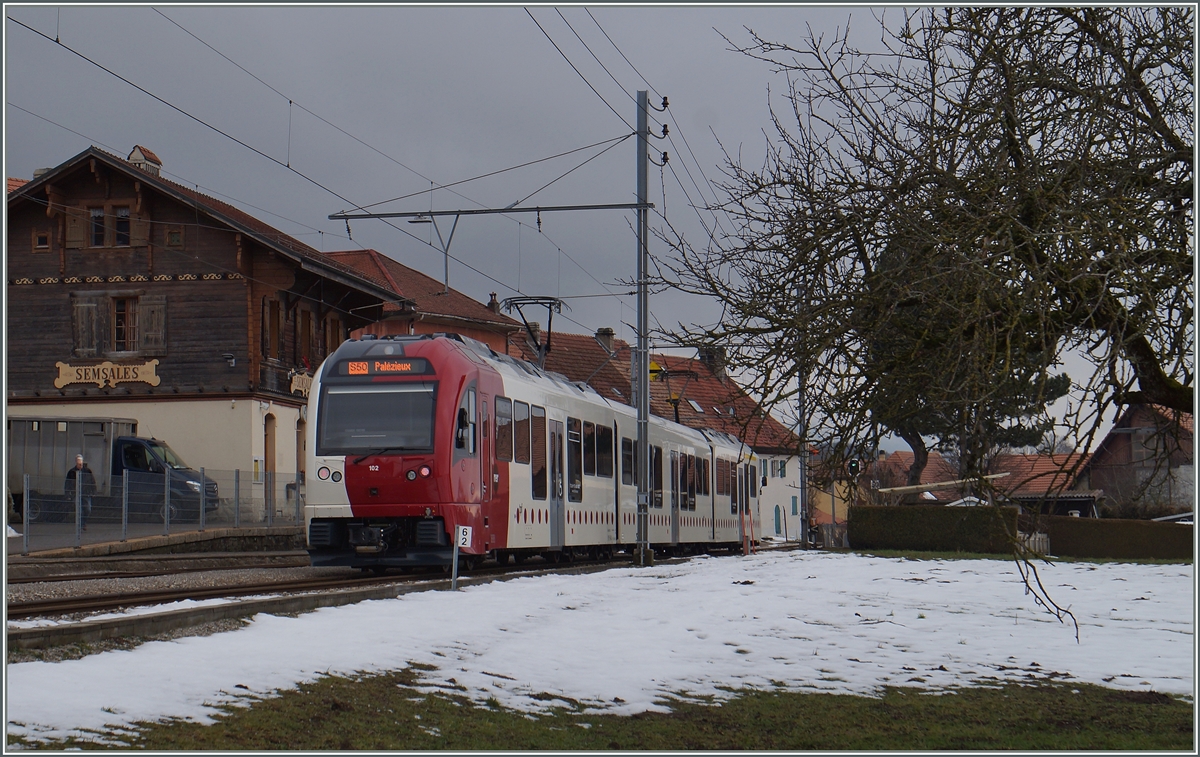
x=336, y=476
x=323, y=473
x=426, y=471
x=411, y=475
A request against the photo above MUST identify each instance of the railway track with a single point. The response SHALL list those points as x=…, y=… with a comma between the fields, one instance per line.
x=111, y=602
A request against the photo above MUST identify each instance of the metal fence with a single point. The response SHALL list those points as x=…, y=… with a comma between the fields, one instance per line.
x=50, y=514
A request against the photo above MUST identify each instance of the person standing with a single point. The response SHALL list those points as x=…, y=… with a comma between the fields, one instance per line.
x=81, y=476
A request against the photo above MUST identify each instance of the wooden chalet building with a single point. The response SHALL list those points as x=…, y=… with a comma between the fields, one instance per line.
x=132, y=296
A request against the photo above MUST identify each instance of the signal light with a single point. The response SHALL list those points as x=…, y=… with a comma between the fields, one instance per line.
x=426, y=471
x=323, y=473
x=411, y=475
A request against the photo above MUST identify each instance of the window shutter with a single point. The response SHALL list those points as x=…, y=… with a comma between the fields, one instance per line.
x=77, y=225
x=86, y=326
x=139, y=231
x=152, y=323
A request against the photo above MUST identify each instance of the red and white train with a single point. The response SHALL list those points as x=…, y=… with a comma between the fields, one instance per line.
x=417, y=436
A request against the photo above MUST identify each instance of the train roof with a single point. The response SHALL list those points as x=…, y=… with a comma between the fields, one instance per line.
x=525, y=370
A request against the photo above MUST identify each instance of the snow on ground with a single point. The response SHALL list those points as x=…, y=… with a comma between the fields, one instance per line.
x=626, y=639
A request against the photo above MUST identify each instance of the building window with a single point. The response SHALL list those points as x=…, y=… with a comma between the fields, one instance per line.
x=121, y=227
x=124, y=324
x=96, y=229
x=306, y=338
x=274, y=329
x=175, y=237
x=41, y=240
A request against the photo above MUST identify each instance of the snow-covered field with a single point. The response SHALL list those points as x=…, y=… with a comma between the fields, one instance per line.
x=624, y=639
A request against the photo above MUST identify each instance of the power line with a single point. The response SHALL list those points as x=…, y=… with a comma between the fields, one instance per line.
x=285, y=165
x=182, y=179
x=601, y=63
x=618, y=140
x=576, y=70
x=675, y=121
x=615, y=140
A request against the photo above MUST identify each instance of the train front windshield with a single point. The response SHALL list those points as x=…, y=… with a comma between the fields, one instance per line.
x=377, y=417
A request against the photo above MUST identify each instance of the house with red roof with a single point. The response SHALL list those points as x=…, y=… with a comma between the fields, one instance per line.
x=1049, y=484
x=429, y=306
x=132, y=296
x=1146, y=463
x=695, y=392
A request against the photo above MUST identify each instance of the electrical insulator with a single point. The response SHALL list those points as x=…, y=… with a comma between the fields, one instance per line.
x=666, y=131
x=665, y=103
x=666, y=158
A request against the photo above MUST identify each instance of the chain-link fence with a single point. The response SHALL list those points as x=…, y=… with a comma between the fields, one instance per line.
x=56, y=513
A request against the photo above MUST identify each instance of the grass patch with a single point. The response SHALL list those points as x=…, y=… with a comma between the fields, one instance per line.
x=385, y=712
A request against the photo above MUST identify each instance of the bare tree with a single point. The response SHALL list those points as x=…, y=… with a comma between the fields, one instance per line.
x=936, y=224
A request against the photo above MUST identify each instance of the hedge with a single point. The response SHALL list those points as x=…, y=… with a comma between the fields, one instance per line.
x=1117, y=538
x=935, y=528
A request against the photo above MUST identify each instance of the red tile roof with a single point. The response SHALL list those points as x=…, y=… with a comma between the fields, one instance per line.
x=1185, y=420
x=427, y=294
x=146, y=153
x=581, y=358
x=15, y=184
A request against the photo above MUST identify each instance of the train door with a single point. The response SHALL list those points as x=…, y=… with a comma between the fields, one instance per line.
x=558, y=523
x=675, y=497
x=486, y=463
x=741, y=506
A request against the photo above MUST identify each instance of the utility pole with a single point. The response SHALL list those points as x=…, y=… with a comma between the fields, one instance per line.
x=802, y=426
x=642, y=360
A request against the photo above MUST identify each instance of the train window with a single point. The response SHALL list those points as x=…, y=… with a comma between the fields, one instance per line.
x=753, y=480
x=589, y=448
x=538, y=432
x=722, y=478
x=690, y=476
x=464, y=435
x=604, y=451
x=360, y=418
x=703, y=489
x=504, y=429
x=628, y=462
x=574, y=461
x=656, y=476
x=521, y=432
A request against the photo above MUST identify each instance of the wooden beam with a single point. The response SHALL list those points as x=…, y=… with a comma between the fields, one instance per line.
x=937, y=485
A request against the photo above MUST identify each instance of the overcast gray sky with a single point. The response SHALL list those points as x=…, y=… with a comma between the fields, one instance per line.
x=427, y=93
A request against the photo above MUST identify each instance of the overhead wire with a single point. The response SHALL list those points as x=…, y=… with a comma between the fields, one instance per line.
x=433, y=184
x=678, y=127
x=286, y=166
x=576, y=70
x=181, y=179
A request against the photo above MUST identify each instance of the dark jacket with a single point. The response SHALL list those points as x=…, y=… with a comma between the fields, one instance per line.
x=84, y=475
